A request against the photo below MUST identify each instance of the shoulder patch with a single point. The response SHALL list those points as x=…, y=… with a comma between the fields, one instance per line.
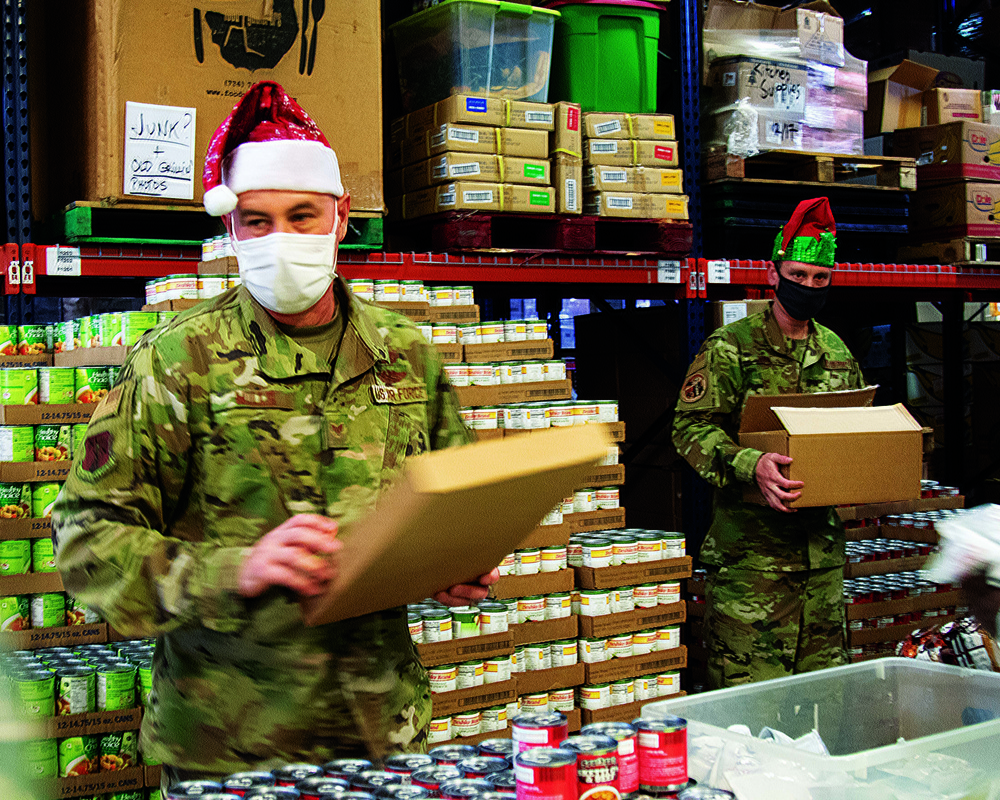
x=694, y=388
x=697, y=391
x=98, y=457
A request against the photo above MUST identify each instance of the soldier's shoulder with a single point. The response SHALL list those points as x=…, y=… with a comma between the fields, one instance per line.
x=398, y=330
x=737, y=334
x=206, y=321
x=830, y=340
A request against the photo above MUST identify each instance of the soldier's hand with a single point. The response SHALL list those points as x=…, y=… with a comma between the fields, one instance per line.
x=777, y=489
x=295, y=555
x=464, y=593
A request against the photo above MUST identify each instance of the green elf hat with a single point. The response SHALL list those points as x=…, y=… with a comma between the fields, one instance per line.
x=810, y=236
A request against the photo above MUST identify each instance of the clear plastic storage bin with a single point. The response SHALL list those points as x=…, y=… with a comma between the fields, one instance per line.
x=895, y=728
x=478, y=47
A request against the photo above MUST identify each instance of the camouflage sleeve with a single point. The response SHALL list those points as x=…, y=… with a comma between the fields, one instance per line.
x=112, y=522
x=711, y=392
x=445, y=424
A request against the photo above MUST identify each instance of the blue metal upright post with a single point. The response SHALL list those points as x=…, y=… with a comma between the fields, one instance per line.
x=690, y=46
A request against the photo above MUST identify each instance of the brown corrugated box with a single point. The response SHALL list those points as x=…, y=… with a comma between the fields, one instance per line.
x=533, y=349
x=895, y=96
x=125, y=719
x=638, y=620
x=625, y=713
x=567, y=138
x=598, y=125
x=605, y=476
x=227, y=265
x=583, y=522
x=471, y=196
x=459, y=650
x=959, y=210
x=549, y=630
x=619, y=669
x=947, y=105
x=126, y=780
x=13, y=529
x=66, y=636
x=952, y=151
x=463, y=109
x=507, y=393
x=547, y=680
x=668, y=569
x=870, y=511
x=641, y=180
x=469, y=167
x=768, y=85
x=726, y=311
x=567, y=177
x=31, y=471
x=629, y=153
x=470, y=139
x=526, y=585
x=45, y=414
x=17, y=362
x=637, y=206
x=92, y=357
x=491, y=694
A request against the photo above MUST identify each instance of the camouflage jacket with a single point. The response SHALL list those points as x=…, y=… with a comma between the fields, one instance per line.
x=220, y=429
x=747, y=357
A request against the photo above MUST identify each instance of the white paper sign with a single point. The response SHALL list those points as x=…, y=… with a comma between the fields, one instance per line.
x=718, y=272
x=159, y=151
x=63, y=261
x=733, y=311
x=668, y=272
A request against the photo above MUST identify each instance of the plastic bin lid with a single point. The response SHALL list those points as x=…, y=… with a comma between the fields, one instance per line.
x=500, y=6
x=632, y=3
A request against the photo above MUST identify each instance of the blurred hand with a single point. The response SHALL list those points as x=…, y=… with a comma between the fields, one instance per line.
x=296, y=555
x=777, y=489
x=984, y=601
x=463, y=594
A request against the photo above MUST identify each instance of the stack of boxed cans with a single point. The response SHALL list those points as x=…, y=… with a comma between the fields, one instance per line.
x=475, y=153
x=630, y=167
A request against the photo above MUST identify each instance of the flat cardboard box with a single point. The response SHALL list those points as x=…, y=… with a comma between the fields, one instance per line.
x=637, y=206
x=863, y=533
x=726, y=311
x=446, y=704
x=227, y=265
x=456, y=651
x=93, y=357
x=66, y=636
x=925, y=535
x=45, y=414
x=533, y=116
x=641, y=180
x=639, y=620
x=667, y=569
x=947, y=105
x=505, y=394
x=887, y=567
x=550, y=630
x=132, y=779
x=31, y=583
x=473, y=167
x=567, y=178
x=451, y=138
x=454, y=314
x=172, y=305
x=12, y=529
x=959, y=210
x=33, y=471
x=547, y=680
x=461, y=109
x=634, y=153
x=529, y=350
x=765, y=84
x=547, y=535
x=613, y=475
x=598, y=125
x=126, y=719
x=567, y=138
x=905, y=605
x=871, y=511
x=625, y=713
x=449, y=353
x=893, y=633
x=472, y=196
x=844, y=451
x=525, y=585
x=619, y=669
x=895, y=97
x=589, y=521
x=412, y=310
x=957, y=150
x=16, y=362
x=99, y=54
x=452, y=516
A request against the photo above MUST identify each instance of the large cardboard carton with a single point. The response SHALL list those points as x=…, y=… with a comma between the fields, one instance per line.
x=470, y=196
x=90, y=57
x=895, y=97
x=451, y=138
x=766, y=84
x=641, y=180
x=493, y=112
x=637, y=206
x=567, y=178
x=726, y=311
x=629, y=126
x=945, y=105
x=958, y=210
x=843, y=450
x=470, y=167
x=629, y=153
x=567, y=138
x=953, y=151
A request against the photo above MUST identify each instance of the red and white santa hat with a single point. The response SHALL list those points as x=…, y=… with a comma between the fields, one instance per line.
x=267, y=142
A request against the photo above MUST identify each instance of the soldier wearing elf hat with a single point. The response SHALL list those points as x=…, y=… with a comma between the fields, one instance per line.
x=774, y=591
x=242, y=439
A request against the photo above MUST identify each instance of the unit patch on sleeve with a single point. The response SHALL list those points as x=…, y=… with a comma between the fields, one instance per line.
x=696, y=383
x=98, y=457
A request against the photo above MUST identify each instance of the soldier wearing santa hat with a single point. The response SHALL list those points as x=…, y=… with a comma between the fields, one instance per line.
x=775, y=574
x=215, y=476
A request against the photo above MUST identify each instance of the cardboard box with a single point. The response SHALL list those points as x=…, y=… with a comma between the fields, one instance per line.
x=66, y=414
x=550, y=630
x=451, y=138
x=668, y=569
x=766, y=84
x=525, y=585
x=505, y=394
x=93, y=357
x=412, y=310
x=153, y=774
x=548, y=680
x=567, y=138
x=480, y=737
x=439, y=525
x=887, y=567
x=590, y=521
x=567, y=177
x=471, y=196
x=641, y=180
x=631, y=153
x=951, y=152
x=895, y=97
x=871, y=511
x=637, y=206
x=227, y=265
x=13, y=529
x=94, y=56
x=629, y=126
x=905, y=605
x=461, y=109
x=17, y=362
x=491, y=694
x=458, y=650
x=546, y=535
x=961, y=209
x=531, y=350
x=172, y=305
x=892, y=633
x=449, y=353
x=471, y=167
x=625, y=713
x=945, y=105
x=843, y=450
x=123, y=780
x=126, y=719
x=639, y=620
x=453, y=314
x=619, y=669
x=726, y=311
x=605, y=476
x=34, y=471
x=990, y=101
x=66, y=636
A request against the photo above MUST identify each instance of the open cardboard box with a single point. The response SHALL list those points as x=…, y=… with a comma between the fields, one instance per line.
x=842, y=449
x=896, y=96
x=453, y=516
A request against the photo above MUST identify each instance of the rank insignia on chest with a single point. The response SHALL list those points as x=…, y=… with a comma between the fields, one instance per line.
x=396, y=395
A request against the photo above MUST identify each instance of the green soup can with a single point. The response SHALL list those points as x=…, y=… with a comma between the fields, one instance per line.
x=43, y=558
x=145, y=670
x=36, y=690
x=135, y=324
x=48, y=610
x=79, y=755
x=92, y=384
x=53, y=442
x=76, y=690
x=15, y=500
x=8, y=340
x=111, y=329
x=79, y=614
x=113, y=373
x=119, y=750
x=165, y=316
x=43, y=497
x=33, y=340
x=87, y=333
x=79, y=435
x=15, y=557
x=41, y=758
x=115, y=687
x=17, y=443
x=18, y=387
x=15, y=613
x=56, y=385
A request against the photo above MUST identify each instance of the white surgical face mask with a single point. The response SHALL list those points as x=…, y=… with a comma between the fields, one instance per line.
x=287, y=272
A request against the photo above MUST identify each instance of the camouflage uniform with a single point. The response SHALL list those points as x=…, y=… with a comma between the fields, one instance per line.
x=775, y=579
x=220, y=429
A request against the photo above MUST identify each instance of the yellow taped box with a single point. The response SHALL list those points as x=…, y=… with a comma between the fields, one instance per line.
x=636, y=206
x=641, y=180
x=470, y=196
x=567, y=138
x=629, y=126
x=567, y=178
x=469, y=167
x=463, y=109
x=451, y=138
x=630, y=153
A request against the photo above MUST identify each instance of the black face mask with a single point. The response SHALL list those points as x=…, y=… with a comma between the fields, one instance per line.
x=801, y=302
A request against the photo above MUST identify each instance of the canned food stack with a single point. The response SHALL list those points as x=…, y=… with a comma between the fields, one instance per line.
x=389, y=290
x=630, y=167
x=542, y=415
x=26, y=340
x=113, y=329
x=189, y=286
x=217, y=248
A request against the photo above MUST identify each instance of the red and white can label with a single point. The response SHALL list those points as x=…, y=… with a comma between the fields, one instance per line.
x=546, y=783
x=663, y=759
x=597, y=770
x=547, y=736
x=628, y=766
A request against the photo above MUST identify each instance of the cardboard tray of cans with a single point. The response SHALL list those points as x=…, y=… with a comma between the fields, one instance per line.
x=126, y=719
x=445, y=704
x=573, y=722
x=625, y=713
x=893, y=633
x=62, y=414
x=694, y=610
x=613, y=475
x=547, y=680
x=630, y=621
x=227, y=265
x=615, y=430
x=525, y=585
x=416, y=312
x=874, y=510
x=558, y=535
x=920, y=535
x=32, y=471
x=456, y=651
x=67, y=636
x=549, y=630
x=31, y=583
x=125, y=780
x=450, y=353
x=905, y=605
x=620, y=669
x=153, y=772
x=864, y=532
x=11, y=529
x=527, y=350
x=453, y=313
x=886, y=567
x=172, y=305
x=16, y=362
x=92, y=357
x=633, y=574
x=507, y=393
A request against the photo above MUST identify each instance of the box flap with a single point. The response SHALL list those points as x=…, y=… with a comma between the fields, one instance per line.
x=757, y=414
x=737, y=14
x=879, y=419
x=907, y=73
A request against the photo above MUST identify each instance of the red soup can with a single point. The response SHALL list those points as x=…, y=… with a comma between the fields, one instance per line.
x=481, y=766
x=242, y=782
x=322, y=788
x=539, y=730
x=546, y=773
x=406, y=764
x=628, y=758
x=432, y=777
x=497, y=748
x=596, y=765
x=291, y=774
x=662, y=753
